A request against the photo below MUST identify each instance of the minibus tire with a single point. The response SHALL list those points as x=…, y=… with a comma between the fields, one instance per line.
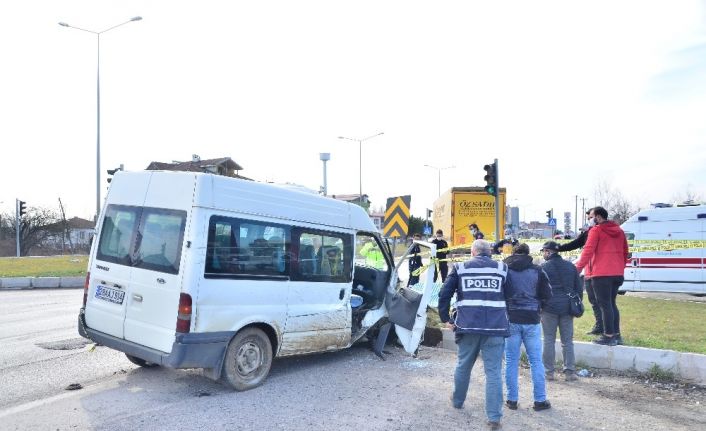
x=141, y=362
x=248, y=359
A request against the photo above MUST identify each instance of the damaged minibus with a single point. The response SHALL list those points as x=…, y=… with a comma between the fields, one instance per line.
x=195, y=270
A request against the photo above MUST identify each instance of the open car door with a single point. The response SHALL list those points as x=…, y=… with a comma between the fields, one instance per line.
x=407, y=308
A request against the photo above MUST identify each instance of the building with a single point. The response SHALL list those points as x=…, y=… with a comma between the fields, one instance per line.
x=221, y=166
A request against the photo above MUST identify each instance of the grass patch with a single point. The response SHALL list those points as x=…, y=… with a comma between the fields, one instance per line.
x=654, y=323
x=50, y=266
x=645, y=322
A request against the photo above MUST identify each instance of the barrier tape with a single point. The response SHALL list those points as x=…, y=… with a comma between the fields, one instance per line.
x=634, y=246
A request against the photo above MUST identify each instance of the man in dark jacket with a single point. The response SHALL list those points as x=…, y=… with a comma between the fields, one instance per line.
x=526, y=291
x=441, y=244
x=565, y=281
x=415, y=261
x=480, y=324
x=577, y=243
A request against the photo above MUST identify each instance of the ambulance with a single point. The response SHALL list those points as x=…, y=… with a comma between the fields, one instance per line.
x=195, y=270
x=661, y=266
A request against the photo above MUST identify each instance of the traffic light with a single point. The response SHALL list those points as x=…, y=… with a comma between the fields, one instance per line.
x=491, y=179
x=550, y=214
x=429, y=212
x=23, y=208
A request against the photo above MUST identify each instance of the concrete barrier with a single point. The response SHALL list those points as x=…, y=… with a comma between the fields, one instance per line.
x=72, y=281
x=16, y=283
x=41, y=282
x=44, y=282
x=690, y=367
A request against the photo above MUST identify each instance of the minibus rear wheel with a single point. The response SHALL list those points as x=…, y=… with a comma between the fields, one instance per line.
x=140, y=362
x=248, y=359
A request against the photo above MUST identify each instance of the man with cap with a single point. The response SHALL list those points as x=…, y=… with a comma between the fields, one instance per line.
x=564, y=280
x=577, y=243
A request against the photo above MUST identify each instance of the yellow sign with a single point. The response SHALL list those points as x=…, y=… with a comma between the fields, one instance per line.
x=397, y=217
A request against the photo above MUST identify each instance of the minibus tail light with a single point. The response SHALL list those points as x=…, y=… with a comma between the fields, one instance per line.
x=85, y=288
x=183, y=324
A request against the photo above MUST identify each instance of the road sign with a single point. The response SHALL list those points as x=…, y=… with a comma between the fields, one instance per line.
x=552, y=222
x=427, y=229
x=397, y=217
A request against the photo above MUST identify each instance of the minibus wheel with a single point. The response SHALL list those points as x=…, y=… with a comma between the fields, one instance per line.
x=248, y=359
x=140, y=362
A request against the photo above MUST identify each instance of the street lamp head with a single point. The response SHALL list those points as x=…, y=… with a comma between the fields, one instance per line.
x=63, y=24
x=137, y=18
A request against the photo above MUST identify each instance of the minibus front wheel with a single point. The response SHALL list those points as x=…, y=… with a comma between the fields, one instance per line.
x=248, y=359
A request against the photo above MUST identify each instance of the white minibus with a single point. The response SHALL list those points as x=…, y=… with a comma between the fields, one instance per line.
x=194, y=270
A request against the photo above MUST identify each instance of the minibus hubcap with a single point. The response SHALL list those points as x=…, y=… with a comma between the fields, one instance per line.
x=249, y=358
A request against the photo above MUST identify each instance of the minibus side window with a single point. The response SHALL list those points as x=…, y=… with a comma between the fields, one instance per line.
x=246, y=249
x=117, y=233
x=160, y=236
x=322, y=256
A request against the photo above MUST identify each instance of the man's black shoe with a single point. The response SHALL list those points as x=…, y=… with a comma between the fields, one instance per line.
x=595, y=331
x=606, y=341
x=542, y=405
x=618, y=339
x=512, y=405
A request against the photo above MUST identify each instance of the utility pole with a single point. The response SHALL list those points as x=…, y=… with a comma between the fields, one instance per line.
x=583, y=211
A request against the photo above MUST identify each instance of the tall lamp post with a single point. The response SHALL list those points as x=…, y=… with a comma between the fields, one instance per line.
x=98, y=103
x=360, y=161
x=439, y=170
x=325, y=157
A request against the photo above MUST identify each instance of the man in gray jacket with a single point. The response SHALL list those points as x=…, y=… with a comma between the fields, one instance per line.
x=565, y=281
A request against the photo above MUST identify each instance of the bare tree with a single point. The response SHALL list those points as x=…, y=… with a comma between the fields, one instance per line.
x=618, y=207
x=36, y=226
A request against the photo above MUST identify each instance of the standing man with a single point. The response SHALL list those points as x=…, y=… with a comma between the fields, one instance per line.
x=415, y=261
x=480, y=324
x=604, y=257
x=475, y=232
x=526, y=291
x=441, y=244
x=565, y=281
x=579, y=242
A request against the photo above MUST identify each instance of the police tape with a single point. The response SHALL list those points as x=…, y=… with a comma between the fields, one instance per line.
x=634, y=246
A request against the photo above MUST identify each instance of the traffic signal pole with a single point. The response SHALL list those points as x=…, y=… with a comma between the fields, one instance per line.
x=17, y=226
x=497, y=202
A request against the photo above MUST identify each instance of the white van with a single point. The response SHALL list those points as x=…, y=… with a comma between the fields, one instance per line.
x=192, y=270
x=667, y=270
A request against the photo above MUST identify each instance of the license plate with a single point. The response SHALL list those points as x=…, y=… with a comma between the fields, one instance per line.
x=111, y=295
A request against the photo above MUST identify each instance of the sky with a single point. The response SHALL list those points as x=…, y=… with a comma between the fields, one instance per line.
x=566, y=95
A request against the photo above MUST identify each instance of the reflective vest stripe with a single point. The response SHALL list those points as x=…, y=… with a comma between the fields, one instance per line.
x=480, y=302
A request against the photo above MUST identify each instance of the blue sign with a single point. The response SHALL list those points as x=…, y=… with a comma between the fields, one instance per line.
x=427, y=230
x=552, y=222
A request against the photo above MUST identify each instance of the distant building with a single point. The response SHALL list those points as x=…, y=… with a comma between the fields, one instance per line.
x=76, y=233
x=221, y=166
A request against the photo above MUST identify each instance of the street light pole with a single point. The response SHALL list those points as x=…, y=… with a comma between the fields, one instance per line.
x=439, y=171
x=360, y=161
x=325, y=157
x=98, y=102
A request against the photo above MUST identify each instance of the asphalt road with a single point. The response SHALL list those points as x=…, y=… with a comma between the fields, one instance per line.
x=351, y=389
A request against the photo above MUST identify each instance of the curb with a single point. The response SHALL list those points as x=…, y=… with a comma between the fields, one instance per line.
x=690, y=367
x=23, y=283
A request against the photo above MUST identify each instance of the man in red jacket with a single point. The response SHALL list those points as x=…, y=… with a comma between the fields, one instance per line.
x=604, y=257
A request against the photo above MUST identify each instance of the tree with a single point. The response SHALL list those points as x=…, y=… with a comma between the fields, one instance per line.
x=688, y=196
x=36, y=226
x=416, y=225
x=618, y=207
